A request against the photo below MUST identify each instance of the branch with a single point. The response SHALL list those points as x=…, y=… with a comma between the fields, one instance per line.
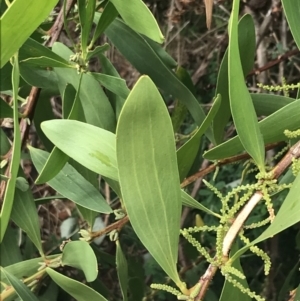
x=238, y=223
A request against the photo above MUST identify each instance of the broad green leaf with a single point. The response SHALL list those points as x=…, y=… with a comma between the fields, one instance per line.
x=33, y=49
x=114, y=84
x=72, y=256
x=46, y=62
x=116, y=101
x=297, y=296
x=122, y=270
x=241, y=105
x=57, y=159
x=189, y=201
x=21, y=289
x=292, y=11
x=71, y=184
x=76, y=289
x=267, y=104
x=26, y=268
x=135, y=49
x=95, y=104
x=103, y=20
x=137, y=15
x=287, y=216
x=15, y=157
x=5, y=109
x=272, y=128
x=18, y=22
x=91, y=146
x=186, y=154
x=230, y=291
x=39, y=77
x=24, y=214
x=247, y=48
x=148, y=173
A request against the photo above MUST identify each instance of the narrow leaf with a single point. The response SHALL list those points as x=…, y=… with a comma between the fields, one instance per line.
x=18, y=22
x=16, y=154
x=122, y=270
x=272, y=128
x=71, y=184
x=24, y=214
x=137, y=15
x=242, y=109
x=292, y=10
x=22, y=290
x=76, y=289
x=135, y=49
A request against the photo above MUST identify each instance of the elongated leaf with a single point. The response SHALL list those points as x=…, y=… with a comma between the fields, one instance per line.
x=189, y=201
x=22, y=290
x=267, y=104
x=116, y=101
x=95, y=104
x=15, y=25
x=287, y=216
x=86, y=14
x=24, y=214
x=71, y=184
x=72, y=256
x=33, y=49
x=186, y=154
x=148, y=173
x=272, y=129
x=242, y=109
x=291, y=10
x=76, y=289
x=122, y=270
x=46, y=62
x=57, y=159
x=5, y=76
x=104, y=19
x=135, y=49
x=92, y=147
x=247, y=47
x=16, y=154
x=114, y=84
x=97, y=51
x=137, y=15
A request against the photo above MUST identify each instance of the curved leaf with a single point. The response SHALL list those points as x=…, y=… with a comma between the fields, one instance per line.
x=137, y=15
x=18, y=22
x=272, y=128
x=291, y=10
x=247, y=47
x=76, y=289
x=91, y=146
x=135, y=49
x=72, y=256
x=241, y=105
x=122, y=269
x=148, y=173
x=71, y=184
